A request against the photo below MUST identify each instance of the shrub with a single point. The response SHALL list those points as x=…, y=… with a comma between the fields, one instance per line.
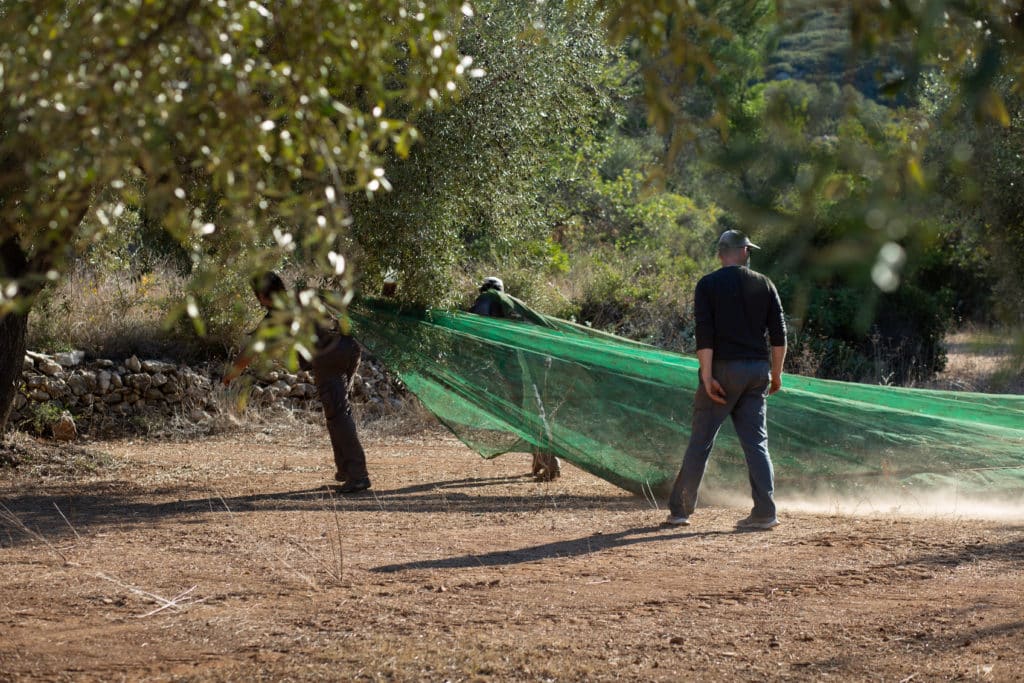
x=117, y=312
x=842, y=334
x=639, y=295
x=42, y=417
x=229, y=310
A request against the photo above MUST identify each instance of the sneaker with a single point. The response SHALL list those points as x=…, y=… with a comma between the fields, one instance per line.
x=757, y=523
x=355, y=485
x=677, y=520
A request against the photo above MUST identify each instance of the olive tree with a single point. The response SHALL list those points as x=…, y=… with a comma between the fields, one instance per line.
x=481, y=180
x=237, y=126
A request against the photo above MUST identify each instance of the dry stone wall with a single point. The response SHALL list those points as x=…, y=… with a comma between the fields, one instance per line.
x=66, y=393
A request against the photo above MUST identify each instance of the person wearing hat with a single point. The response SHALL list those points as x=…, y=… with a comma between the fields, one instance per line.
x=741, y=346
x=492, y=301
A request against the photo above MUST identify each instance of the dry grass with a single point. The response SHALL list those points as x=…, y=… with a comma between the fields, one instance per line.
x=45, y=459
x=116, y=313
x=109, y=312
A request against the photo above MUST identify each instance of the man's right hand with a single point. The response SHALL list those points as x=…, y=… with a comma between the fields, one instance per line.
x=778, y=358
x=714, y=390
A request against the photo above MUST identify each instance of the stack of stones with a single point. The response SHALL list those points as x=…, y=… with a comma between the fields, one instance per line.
x=85, y=392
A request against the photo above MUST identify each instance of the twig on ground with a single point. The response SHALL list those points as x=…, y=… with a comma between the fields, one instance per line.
x=73, y=530
x=337, y=526
x=176, y=602
x=649, y=494
x=224, y=503
x=173, y=602
x=334, y=575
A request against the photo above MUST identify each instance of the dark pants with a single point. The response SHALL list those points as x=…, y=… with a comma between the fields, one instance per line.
x=746, y=386
x=334, y=368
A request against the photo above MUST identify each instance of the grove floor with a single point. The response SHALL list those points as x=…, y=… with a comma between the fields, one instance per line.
x=229, y=559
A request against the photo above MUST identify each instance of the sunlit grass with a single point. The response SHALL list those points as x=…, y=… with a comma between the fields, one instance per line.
x=115, y=312
x=984, y=359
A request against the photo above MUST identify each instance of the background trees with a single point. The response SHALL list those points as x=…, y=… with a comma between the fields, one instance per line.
x=592, y=159
x=841, y=182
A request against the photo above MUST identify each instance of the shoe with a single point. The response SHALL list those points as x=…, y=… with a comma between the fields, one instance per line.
x=340, y=477
x=677, y=520
x=546, y=467
x=355, y=485
x=757, y=523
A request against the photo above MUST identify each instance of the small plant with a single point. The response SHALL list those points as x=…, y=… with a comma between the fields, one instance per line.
x=42, y=416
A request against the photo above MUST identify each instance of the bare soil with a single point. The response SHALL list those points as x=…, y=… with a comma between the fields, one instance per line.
x=989, y=361
x=228, y=559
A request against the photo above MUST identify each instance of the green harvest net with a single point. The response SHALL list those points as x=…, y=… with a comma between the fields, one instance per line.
x=621, y=410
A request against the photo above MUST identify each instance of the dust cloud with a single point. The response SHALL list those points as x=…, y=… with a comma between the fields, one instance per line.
x=937, y=503
x=944, y=503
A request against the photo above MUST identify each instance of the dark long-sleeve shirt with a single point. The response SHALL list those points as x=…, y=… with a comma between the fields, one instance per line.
x=500, y=305
x=493, y=303
x=738, y=314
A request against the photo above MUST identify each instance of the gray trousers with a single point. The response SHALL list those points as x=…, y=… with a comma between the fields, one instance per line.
x=334, y=368
x=746, y=385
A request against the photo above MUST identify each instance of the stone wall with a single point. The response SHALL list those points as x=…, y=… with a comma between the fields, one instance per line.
x=67, y=394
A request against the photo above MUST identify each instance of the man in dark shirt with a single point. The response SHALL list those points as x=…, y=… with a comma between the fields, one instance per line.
x=741, y=346
x=334, y=365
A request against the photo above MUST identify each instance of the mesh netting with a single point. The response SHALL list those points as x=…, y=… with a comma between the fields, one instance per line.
x=621, y=410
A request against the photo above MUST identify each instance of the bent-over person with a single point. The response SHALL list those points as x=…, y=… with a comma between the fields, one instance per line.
x=492, y=301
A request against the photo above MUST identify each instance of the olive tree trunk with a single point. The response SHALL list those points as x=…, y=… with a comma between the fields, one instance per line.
x=13, y=264
x=12, y=355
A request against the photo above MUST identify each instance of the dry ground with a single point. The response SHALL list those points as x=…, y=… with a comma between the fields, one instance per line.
x=227, y=559
x=987, y=360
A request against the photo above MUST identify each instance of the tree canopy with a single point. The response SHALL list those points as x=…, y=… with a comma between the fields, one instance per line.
x=236, y=127
x=478, y=185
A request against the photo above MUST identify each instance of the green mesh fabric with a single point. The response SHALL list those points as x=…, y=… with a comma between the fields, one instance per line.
x=621, y=410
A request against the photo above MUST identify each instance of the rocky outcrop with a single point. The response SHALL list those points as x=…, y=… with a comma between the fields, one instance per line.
x=66, y=394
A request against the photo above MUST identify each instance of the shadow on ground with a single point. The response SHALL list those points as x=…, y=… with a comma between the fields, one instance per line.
x=574, y=547
x=62, y=511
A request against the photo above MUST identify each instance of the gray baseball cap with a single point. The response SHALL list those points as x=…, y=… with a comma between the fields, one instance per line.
x=734, y=239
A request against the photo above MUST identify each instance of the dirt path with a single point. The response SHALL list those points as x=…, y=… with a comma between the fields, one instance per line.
x=456, y=568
